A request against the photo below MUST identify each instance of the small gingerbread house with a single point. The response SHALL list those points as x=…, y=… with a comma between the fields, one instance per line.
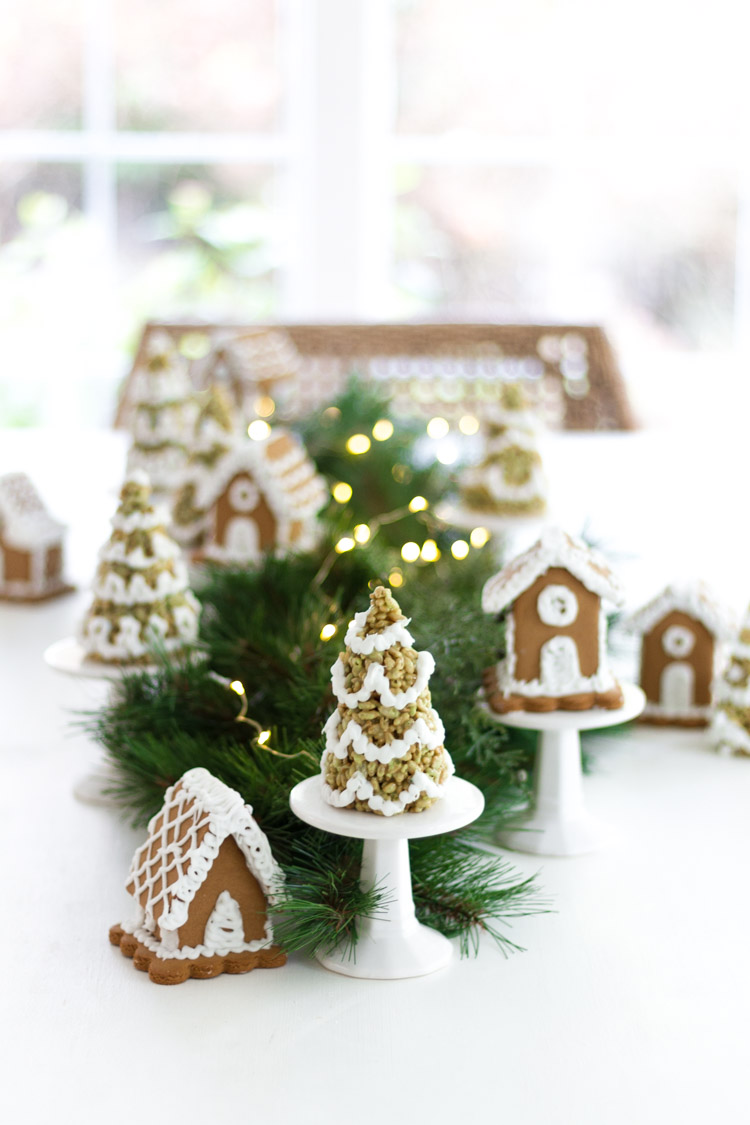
x=263, y=497
x=201, y=883
x=551, y=598
x=31, y=544
x=258, y=362
x=682, y=633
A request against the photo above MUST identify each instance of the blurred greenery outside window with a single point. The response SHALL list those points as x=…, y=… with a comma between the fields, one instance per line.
x=543, y=162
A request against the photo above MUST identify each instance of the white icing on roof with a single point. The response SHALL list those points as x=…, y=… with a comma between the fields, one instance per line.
x=24, y=520
x=177, y=842
x=555, y=548
x=695, y=599
x=289, y=481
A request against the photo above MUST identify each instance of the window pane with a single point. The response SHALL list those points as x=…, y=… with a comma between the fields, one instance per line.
x=648, y=252
x=571, y=66
x=197, y=241
x=47, y=289
x=197, y=65
x=41, y=65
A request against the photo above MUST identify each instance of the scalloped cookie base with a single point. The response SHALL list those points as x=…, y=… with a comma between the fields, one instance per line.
x=586, y=701
x=34, y=599
x=175, y=970
x=694, y=722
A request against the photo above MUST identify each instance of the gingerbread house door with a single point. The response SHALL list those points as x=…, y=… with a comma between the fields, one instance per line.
x=241, y=537
x=225, y=928
x=677, y=686
x=559, y=664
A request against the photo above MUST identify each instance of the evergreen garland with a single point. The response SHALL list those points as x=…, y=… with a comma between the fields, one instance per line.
x=262, y=627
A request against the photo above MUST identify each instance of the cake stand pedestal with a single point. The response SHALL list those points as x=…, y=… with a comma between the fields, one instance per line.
x=393, y=944
x=69, y=657
x=557, y=822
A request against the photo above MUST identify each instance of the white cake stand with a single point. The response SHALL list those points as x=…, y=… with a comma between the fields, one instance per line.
x=69, y=657
x=557, y=822
x=393, y=944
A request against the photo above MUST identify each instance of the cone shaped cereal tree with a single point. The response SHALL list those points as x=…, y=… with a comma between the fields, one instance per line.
x=730, y=725
x=141, y=590
x=163, y=415
x=384, y=742
x=213, y=438
x=509, y=480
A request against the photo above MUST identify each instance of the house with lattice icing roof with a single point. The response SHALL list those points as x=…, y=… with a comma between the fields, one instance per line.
x=263, y=496
x=31, y=543
x=683, y=633
x=551, y=599
x=201, y=883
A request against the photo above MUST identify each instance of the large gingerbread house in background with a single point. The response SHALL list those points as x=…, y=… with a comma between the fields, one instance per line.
x=201, y=883
x=31, y=544
x=682, y=635
x=262, y=497
x=569, y=371
x=551, y=598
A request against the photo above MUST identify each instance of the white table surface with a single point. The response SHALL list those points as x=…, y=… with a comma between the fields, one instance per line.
x=630, y=1006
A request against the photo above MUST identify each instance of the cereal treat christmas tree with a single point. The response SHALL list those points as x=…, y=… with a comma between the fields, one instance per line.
x=509, y=480
x=163, y=415
x=384, y=742
x=213, y=438
x=141, y=590
x=730, y=725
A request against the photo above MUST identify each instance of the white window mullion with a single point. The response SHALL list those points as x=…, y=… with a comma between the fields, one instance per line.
x=339, y=173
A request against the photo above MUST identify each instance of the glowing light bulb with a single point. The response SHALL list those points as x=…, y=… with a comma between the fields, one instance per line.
x=438, y=427
x=263, y=737
x=264, y=406
x=479, y=536
x=382, y=430
x=430, y=551
x=342, y=492
x=410, y=552
x=448, y=455
x=344, y=545
x=395, y=579
x=362, y=533
x=358, y=443
x=418, y=504
x=468, y=424
x=460, y=549
x=238, y=686
x=327, y=632
x=258, y=430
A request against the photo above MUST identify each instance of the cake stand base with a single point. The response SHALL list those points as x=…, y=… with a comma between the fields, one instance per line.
x=392, y=944
x=557, y=822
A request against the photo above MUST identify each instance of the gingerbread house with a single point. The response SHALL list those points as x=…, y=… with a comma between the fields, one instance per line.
x=682, y=631
x=551, y=600
x=263, y=497
x=201, y=883
x=254, y=363
x=31, y=544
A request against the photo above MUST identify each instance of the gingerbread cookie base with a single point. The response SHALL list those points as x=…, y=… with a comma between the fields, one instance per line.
x=175, y=970
x=690, y=722
x=34, y=599
x=504, y=703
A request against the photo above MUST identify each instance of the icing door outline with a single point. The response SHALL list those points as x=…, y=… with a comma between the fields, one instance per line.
x=559, y=665
x=241, y=539
x=677, y=686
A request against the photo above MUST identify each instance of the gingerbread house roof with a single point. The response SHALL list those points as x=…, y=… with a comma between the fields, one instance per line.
x=25, y=522
x=695, y=599
x=555, y=548
x=184, y=838
x=280, y=467
x=261, y=357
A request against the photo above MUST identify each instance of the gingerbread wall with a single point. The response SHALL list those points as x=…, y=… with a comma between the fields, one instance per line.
x=16, y=564
x=261, y=514
x=531, y=633
x=654, y=659
x=229, y=872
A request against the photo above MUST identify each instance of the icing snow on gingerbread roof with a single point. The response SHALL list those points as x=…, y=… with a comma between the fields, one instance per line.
x=279, y=466
x=695, y=599
x=555, y=548
x=24, y=520
x=184, y=838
